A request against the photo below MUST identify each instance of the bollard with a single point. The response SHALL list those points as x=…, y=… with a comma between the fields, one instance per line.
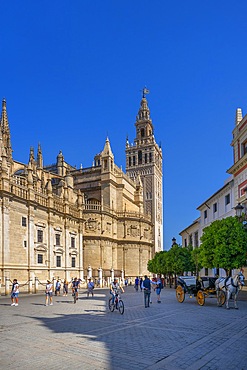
x=7, y=280
x=36, y=285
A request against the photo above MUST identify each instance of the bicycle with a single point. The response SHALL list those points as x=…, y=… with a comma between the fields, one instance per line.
x=118, y=304
x=75, y=295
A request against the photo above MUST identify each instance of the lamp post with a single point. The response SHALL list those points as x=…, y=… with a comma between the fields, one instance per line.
x=174, y=241
x=241, y=213
x=239, y=210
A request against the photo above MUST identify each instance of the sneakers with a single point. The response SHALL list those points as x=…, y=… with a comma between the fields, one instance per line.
x=51, y=304
x=12, y=304
x=16, y=304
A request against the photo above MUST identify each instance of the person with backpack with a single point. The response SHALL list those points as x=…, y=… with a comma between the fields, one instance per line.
x=159, y=286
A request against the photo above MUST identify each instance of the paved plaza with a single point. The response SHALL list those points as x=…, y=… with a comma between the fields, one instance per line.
x=86, y=335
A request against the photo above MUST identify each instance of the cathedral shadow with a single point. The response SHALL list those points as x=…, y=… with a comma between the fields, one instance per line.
x=94, y=327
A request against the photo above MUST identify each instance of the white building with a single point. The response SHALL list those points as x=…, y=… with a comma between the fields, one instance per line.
x=222, y=203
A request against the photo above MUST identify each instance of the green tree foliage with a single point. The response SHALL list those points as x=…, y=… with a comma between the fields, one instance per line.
x=224, y=244
x=175, y=261
x=158, y=264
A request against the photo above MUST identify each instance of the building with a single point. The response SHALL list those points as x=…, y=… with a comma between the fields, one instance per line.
x=60, y=221
x=144, y=159
x=234, y=192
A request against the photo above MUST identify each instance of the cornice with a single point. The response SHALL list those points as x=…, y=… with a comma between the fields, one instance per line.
x=238, y=166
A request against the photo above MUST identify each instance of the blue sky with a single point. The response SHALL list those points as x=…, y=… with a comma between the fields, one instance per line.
x=72, y=71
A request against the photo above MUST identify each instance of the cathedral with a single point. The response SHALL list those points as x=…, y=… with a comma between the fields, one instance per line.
x=58, y=221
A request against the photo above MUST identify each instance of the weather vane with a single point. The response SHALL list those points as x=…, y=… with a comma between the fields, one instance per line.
x=145, y=91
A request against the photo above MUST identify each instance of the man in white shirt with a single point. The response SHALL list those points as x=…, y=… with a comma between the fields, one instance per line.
x=114, y=288
x=15, y=293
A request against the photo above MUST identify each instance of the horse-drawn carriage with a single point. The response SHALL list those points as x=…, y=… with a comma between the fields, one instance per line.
x=221, y=288
x=200, y=288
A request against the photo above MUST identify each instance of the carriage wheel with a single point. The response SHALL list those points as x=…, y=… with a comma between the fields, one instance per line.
x=200, y=297
x=180, y=294
x=221, y=298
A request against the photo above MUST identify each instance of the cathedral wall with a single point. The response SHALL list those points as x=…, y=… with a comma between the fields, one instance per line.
x=18, y=252
x=132, y=260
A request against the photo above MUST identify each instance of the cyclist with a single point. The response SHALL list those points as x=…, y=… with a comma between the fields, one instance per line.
x=75, y=287
x=114, y=288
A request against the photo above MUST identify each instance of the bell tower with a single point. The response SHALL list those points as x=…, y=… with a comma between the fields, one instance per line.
x=144, y=159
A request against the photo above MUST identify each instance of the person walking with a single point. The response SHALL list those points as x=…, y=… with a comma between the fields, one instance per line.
x=58, y=287
x=90, y=287
x=136, y=283
x=48, y=292
x=141, y=280
x=159, y=286
x=15, y=293
x=75, y=287
x=65, y=287
x=146, y=286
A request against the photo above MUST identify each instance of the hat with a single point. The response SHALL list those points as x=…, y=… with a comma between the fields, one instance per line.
x=48, y=281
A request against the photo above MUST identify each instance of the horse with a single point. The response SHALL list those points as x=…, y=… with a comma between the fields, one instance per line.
x=230, y=286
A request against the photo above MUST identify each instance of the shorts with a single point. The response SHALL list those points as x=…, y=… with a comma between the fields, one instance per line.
x=14, y=295
x=158, y=290
x=49, y=293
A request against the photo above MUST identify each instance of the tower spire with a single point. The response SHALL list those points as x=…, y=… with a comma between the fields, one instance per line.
x=5, y=131
x=39, y=157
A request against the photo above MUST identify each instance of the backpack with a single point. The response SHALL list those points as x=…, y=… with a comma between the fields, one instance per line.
x=161, y=286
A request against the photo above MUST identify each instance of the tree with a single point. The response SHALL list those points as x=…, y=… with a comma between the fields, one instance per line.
x=158, y=264
x=224, y=244
x=172, y=262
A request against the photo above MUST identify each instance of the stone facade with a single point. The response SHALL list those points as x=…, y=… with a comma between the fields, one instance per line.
x=60, y=221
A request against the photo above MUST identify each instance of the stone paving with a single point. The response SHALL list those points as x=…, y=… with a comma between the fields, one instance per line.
x=86, y=335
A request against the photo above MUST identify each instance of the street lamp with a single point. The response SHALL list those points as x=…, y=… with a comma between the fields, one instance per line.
x=239, y=210
x=174, y=241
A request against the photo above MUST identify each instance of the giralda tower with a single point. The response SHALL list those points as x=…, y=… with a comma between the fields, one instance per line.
x=144, y=159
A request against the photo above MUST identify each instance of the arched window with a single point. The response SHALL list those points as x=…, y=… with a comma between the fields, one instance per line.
x=139, y=157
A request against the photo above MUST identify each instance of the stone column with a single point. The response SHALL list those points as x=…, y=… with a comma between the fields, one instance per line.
x=112, y=274
x=7, y=281
x=89, y=272
x=122, y=276
x=100, y=272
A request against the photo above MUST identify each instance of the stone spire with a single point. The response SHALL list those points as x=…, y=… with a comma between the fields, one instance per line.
x=239, y=116
x=31, y=156
x=4, y=123
x=39, y=158
x=144, y=112
x=107, y=157
x=144, y=125
x=107, y=152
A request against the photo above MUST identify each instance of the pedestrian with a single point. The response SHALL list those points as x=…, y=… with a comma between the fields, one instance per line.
x=146, y=286
x=159, y=286
x=90, y=287
x=15, y=293
x=48, y=293
x=57, y=288
x=141, y=280
x=136, y=283
x=75, y=287
x=65, y=287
